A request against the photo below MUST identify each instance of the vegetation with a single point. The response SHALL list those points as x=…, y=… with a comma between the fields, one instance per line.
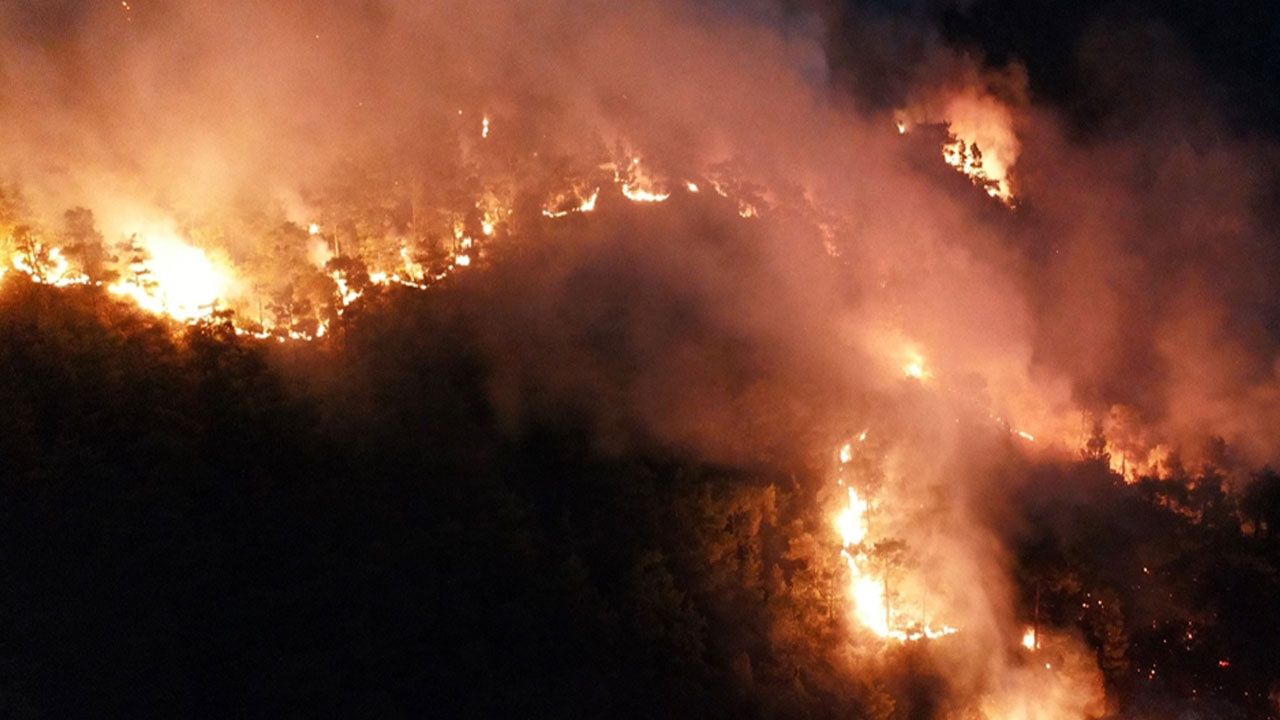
x=199, y=524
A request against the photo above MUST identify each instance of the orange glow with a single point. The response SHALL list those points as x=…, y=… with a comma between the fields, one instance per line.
x=583, y=206
x=983, y=145
x=641, y=195
x=176, y=279
x=867, y=588
x=48, y=266
x=640, y=188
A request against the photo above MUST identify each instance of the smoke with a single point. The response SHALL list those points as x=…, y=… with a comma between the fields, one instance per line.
x=1133, y=280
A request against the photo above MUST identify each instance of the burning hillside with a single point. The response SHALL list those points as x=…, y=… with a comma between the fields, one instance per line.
x=626, y=358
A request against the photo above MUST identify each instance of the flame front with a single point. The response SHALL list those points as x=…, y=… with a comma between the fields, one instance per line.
x=868, y=589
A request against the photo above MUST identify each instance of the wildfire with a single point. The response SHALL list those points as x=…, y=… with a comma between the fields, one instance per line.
x=164, y=276
x=868, y=588
x=1029, y=639
x=49, y=266
x=983, y=145
x=641, y=195
x=171, y=277
x=175, y=279
x=639, y=188
x=981, y=142
x=583, y=206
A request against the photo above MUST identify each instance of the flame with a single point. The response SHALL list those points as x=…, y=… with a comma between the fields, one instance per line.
x=851, y=521
x=981, y=141
x=1029, y=639
x=584, y=206
x=866, y=589
x=176, y=279
x=48, y=266
x=983, y=145
x=640, y=188
x=642, y=195
x=915, y=366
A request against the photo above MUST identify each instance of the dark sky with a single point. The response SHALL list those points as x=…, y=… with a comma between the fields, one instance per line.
x=1094, y=58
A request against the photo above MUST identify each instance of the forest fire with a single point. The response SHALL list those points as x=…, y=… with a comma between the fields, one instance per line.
x=660, y=359
x=869, y=568
x=174, y=279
